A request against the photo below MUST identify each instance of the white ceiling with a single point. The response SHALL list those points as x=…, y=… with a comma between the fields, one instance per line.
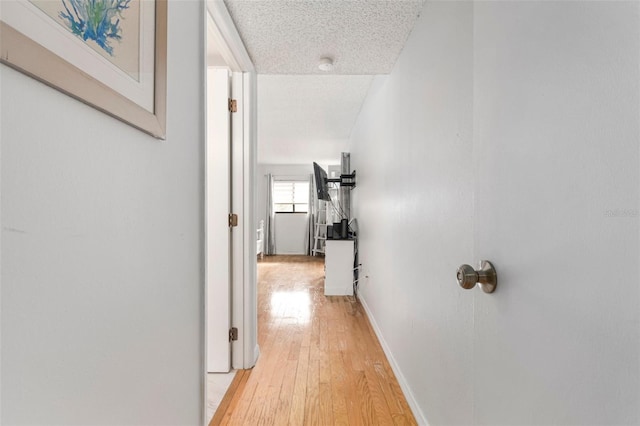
x=305, y=118
x=305, y=114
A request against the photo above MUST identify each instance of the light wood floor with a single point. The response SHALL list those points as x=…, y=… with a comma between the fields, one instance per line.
x=320, y=361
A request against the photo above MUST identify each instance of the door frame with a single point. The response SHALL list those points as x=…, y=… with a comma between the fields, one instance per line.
x=220, y=26
x=218, y=234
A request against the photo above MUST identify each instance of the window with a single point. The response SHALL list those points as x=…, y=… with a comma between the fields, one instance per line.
x=290, y=196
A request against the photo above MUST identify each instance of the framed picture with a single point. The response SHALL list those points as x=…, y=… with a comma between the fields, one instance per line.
x=109, y=54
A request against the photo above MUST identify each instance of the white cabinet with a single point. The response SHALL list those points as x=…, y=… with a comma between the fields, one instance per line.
x=338, y=264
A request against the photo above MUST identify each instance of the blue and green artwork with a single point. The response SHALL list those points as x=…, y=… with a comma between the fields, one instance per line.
x=97, y=20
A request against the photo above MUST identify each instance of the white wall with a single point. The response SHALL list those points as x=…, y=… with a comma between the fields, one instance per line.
x=290, y=233
x=293, y=239
x=508, y=131
x=294, y=171
x=414, y=205
x=102, y=235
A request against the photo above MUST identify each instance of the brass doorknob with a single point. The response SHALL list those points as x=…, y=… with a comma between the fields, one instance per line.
x=485, y=276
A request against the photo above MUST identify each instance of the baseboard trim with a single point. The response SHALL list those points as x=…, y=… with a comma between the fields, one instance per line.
x=411, y=400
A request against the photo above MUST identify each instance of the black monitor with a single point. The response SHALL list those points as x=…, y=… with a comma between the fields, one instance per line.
x=322, y=185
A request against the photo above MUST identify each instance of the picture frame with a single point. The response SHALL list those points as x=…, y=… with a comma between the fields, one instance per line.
x=35, y=44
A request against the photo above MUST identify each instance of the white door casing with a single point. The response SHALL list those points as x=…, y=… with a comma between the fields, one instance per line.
x=244, y=128
x=218, y=206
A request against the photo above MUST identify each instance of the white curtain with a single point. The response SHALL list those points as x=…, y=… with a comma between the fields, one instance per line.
x=311, y=218
x=270, y=223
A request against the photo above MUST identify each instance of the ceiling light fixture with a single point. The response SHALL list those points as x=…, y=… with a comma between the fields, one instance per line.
x=326, y=64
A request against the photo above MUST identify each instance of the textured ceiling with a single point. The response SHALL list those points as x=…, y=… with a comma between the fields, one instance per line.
x=305, y=114
x=307, y=118
x=290, y=37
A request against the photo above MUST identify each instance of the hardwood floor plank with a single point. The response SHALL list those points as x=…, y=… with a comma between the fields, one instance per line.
x=383, y=413
x=367, y=411
x=338, y=388
x=296, y=416
x=401, y=420
x=224, y=412
x=285, y=394
x=320, y=363
x=325, y=403
x=395, y=386
x=244, y=402
x=312, y=403
x=395, y=407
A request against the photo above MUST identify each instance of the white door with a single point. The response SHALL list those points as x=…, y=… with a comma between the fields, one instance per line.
x=218, y=233
x=556, y=151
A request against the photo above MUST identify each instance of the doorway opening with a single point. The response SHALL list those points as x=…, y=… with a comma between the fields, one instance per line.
x=230, y=312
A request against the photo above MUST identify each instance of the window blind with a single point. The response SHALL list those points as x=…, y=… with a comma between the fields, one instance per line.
x=290, y=196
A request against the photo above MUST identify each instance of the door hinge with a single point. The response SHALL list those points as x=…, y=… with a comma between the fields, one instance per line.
x=233, y=334
x=233, y=105
x=233, y=220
